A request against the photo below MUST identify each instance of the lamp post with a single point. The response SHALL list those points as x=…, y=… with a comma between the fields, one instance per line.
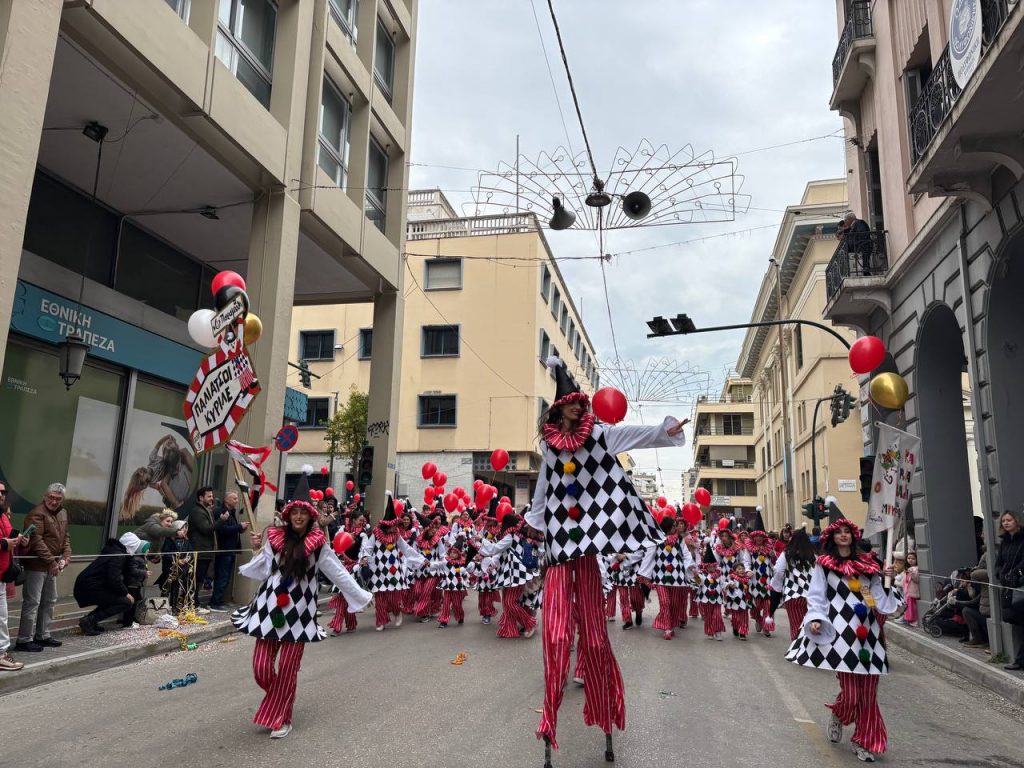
x=787, y=436
x=72, y=357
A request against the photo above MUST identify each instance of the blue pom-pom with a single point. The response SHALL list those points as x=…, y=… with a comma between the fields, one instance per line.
x=861, y=610
x=575, y=489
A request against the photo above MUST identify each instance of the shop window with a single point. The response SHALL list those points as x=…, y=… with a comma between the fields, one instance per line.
x=316, y=345
x=335, y=119
x=245, y=43
x=318, y=412
x=377, y=185
x=156, y=274
x=440, y=341
x=443, y=274
x=437, y=411
x=384, y=61
x=365, y=343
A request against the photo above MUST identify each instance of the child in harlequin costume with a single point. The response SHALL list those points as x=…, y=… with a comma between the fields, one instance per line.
x=792, y=578
x=762, y=566
x=623, y=574
x=693, y=543
x=841, y=633
x=709, y=595
x=347, y=549
x=738, y=600
x=531, y=598
x=283, y=614
x=430, y=544
x=453, y=583
x=607, y=586
x=387, y=556
x=586, y=506
x=512, y=576
x=486, y=528
x=666, y=566
x=729, y=551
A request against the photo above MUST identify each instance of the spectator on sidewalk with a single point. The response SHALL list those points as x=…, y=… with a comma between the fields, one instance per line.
x=229, y=542
x=157, y=527
x=135, y=574
x=1009, y=570
x=9, y=541
x=181, y=564
x=104, y=584
x=202, y=533
x=977, y=611
x=49, y=552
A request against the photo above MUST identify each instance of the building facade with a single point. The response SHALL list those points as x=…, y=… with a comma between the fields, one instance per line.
x=935, y=167
x=688, y=484
x=724, y=458
x=485, y=306
x=815, y=363
x=646, y=484
x=151, y=144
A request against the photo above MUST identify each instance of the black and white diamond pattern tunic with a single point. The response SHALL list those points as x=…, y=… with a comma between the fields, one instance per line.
x=836, y=647
x=736, y=597
x=300, y=609
x=667, y=564
x=391, y=565
x=454, y=578
x=511, y=571
x=792, y=582
x=625, y=575
x=762, y=566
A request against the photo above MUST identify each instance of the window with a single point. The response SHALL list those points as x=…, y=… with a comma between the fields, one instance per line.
x=545, y=346
x=739, y=487
x=316, y=345
x=554, y=353
x=377, y=185
x=345, y=12
x=245, y=43
x=556, y=304
x=437, y=411
x=564, y=322
x=384, y=61
x=317, y=412
x=732, y=424
x=335, y=119
x=577, y=348
x=764, y=461
x=153, y=272
x=545, y=284
x=440, y=341
x=180, y=7
x=768, y=451
x=798, y=347
x=542, y=407
x=365, y=343
x=443, y=275
x=572, y=334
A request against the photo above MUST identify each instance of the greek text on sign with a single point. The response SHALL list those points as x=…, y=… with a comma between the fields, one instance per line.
x=228, y=316
x=964, y=39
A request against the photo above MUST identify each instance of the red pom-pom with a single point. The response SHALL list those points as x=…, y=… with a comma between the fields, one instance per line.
x=283, y=599
x=861, y=632
x=575, y=513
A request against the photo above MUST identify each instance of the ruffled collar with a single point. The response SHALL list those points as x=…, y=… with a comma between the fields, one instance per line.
x=730, y=551
x=863, y=564
x=429, y=542
x=572, y=441
x=742, y=579
x=313, y=541
x=671, y=540
x=387, y=535
x=765, y=548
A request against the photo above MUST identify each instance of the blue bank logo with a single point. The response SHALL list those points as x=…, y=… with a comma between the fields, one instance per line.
x=47, y=323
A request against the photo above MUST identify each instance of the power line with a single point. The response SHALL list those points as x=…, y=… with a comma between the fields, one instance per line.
x=551, y=76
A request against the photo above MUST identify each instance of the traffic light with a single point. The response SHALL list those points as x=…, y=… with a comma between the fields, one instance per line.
x=867, y=473
x=304, y=374
x=366, y=465
x=809, y=509
x=815, y=509
x=847, y=404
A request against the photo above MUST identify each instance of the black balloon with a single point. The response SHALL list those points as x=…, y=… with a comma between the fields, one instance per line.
x=224, y=296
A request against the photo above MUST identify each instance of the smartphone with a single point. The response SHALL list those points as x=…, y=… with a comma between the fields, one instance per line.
x=28, y=531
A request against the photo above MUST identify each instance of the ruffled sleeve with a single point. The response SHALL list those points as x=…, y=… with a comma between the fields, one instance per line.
x=413, y=558
x=886, y=601
x=494, y=548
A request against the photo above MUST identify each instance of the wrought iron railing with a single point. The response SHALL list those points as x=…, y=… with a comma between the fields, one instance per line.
x=941, y=91
x=858, y=26
x=859, y=254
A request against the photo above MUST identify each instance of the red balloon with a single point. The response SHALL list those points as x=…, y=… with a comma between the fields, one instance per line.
x=662, y=501
x=692, y=514
x=668, y=512
x=499, y=459
x=350, y=486
x=399, y=507
x=329, y=491
x=723, y=523
x=504, y=500
x=440, y=478
x=477, y=484
x=342, y=541
x=429, y=470
x=356, y=498
x=610, y=405
x=658, y=515
x=462, y=507
x=703, y=497
x=451, y=502
x=459, y=491
x=503, y=509
x=314, y=495
x=428, y=500
x=866, y=354
x=224, y=279
x=438, y=491
x=429, y=492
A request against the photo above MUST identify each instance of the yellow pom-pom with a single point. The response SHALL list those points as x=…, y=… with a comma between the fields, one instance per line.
x=855, y=585
x=570, y=467
x=870, y=601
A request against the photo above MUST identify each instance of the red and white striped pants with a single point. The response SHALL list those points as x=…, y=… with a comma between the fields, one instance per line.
x=341, y=612
x=672, y=608
x=572, y=591
x=279, y=686
x=631, y=600
x=694, y=605
x=609, y=603
x=485, y=603
x=513, y=614
x=712, y=615
x=761, y=611
x=409, y=599
x=451, y=602
x=425, y=596
x=858, y=702
x=796, y=609
x=740, y=621
x=387, y=604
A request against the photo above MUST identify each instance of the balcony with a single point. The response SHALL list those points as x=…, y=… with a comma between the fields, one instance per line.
x=957, y=136
x=854, y=62
x=713, y=429
x=474, y=226
x=859, y=254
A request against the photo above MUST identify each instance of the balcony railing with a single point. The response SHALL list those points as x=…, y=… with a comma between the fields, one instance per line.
x=858, y=26
x=941, y=91
x=726, y=464
x=472, y=227
x=859, y=254
x=724, y=431
x=725, y=399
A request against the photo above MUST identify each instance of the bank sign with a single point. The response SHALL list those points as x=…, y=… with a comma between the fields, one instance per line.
x=964, y=39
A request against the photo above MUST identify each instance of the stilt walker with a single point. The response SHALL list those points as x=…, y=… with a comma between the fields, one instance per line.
x=841, y=633
x=762, y=567
x=710, y=596
x=387, y=558
x=283, y=614
x=586, y=506
x=792, y=579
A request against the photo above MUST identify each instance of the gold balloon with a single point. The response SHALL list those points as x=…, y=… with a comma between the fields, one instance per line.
x=889, y=390
x=253, y=328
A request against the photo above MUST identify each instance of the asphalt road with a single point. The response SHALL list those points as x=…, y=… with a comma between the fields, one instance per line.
x=394, y=699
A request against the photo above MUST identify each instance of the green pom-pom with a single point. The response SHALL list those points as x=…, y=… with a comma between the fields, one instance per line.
x=865, y=656
x=277, y=619
x=576, y=534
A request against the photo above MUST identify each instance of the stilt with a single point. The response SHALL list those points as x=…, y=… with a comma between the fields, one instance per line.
x=547, y=752
x=609, y=753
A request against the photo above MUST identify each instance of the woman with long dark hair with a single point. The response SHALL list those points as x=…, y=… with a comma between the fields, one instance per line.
x=792, y=578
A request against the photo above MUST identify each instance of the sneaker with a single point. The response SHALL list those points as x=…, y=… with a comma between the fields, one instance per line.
x=200, y=611
x=735, y=633
x=442, y=625
x=8, y=664
x=379, y=628
x=88, y=627
x=48, y=642
x=862, y=754
x=743, y=637
x=1015, y=667
x=529, y=633
x=835, y=730
x=218, y=608
x=628, y=625
x=398, y=621
x=460, y=621
x=485, y=620
x=718, y=636
x=28, y=647
x=421, y=620
x=281, y=732
x=668, y=634
x=578, y=680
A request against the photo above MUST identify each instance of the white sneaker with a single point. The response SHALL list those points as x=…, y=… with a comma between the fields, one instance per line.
x=718, y=636
x=578, y=680
x=202, y=612
x=398, y=621
x=529, y=633
x=862, y=754
x=281, y=732
x=380, y=627
x=835, y=730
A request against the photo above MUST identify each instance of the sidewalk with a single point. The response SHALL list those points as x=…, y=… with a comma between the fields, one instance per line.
x=969, y=663
x=81, y=655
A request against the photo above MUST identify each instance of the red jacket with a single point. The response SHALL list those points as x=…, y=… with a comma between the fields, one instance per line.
x=5, y=533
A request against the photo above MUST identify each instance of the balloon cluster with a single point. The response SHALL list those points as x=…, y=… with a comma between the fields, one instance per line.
x=226, y=286
x=889, y=389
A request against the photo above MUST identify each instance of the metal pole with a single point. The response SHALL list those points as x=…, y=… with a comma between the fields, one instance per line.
x=330, y=475
x=517, y=173
x=763, y=324
x=787, y=438
x=814, y=450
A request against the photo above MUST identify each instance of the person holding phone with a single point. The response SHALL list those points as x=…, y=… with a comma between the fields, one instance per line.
x=9, y=541
x=49, y=548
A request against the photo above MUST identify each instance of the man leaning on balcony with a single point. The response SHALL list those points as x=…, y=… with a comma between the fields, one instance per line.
x=855, y=234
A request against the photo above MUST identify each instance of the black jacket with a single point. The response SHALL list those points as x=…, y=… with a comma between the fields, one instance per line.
x=104, y=575
x=1010, y=561
x=229, y=532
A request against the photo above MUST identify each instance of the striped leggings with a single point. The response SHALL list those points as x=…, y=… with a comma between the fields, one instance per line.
x=631, y=600
x=672, y=610
x=425, y=589
x=485, y=603
x=452, y=604
x=609, y=603
x=858, y=702
x=712, y=615
x=513, y=614
x=572, y=592
x=796, y=609
x=279, y=686
x=341, y=612
x=740, y=621
x=387, y=604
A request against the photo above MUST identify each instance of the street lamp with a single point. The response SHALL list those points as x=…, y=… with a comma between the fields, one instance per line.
x=72, y=357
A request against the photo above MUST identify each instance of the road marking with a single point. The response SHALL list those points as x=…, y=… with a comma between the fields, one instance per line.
x=801, y=720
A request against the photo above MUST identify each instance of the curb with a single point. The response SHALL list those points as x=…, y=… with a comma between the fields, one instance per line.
x=977, y=671
x=86, y=662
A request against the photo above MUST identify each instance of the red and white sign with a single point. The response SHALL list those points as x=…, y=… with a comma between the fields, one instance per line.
x=222, y=390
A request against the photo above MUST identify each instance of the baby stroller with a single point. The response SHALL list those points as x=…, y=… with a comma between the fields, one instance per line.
x=940, y=617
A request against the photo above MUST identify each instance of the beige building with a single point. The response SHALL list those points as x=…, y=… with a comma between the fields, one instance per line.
x=148, y=145
x=480, y=321
x=646, y=484
x=688, y=484
x=815, y=363
x=724, y=458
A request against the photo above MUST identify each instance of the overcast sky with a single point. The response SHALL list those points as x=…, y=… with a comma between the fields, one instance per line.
x=723, y=75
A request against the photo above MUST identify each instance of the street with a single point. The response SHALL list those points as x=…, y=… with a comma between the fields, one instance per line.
x=394, y=699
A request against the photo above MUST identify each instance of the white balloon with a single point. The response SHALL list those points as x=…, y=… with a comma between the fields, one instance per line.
x=201, y=329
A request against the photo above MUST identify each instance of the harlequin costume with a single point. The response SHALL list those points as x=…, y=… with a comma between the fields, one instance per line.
x=388, y=560
x=623, y=575
x=283, y=614
x=737, y=603
x=847, y=597
x=350, y=561
x=666, y=566
x=791, y=582
x=430, y=544
x=453, y=583
x=486, y=528
x=609, y=588
x=693, y=543
x=710, y=595
x=512, y=577
x=409, y=534
x=728, y=556
x=762, y=567
x=586, y=506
